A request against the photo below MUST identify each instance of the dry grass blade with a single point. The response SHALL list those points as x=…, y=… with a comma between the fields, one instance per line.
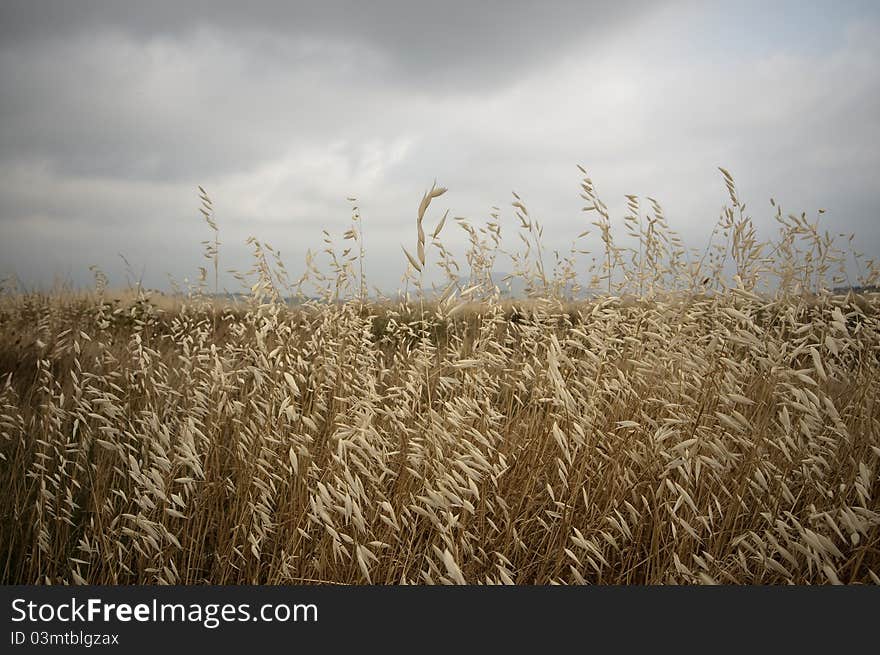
x=637, y=416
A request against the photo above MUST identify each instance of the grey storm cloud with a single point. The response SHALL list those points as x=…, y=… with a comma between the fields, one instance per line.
x=106, y=73
x=112, y=113
x=481, y=43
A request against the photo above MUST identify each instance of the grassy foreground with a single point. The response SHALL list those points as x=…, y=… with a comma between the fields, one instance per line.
x=683, y=426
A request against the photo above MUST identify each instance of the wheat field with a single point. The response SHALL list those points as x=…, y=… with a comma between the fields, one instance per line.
x=645, y=414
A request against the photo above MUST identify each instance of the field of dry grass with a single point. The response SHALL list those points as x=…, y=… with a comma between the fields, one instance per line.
x=702, y=417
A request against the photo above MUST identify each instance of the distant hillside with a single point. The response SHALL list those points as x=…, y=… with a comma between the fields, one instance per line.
x=509, y=285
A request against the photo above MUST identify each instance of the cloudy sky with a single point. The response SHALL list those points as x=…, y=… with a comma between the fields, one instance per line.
x=112, y=112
